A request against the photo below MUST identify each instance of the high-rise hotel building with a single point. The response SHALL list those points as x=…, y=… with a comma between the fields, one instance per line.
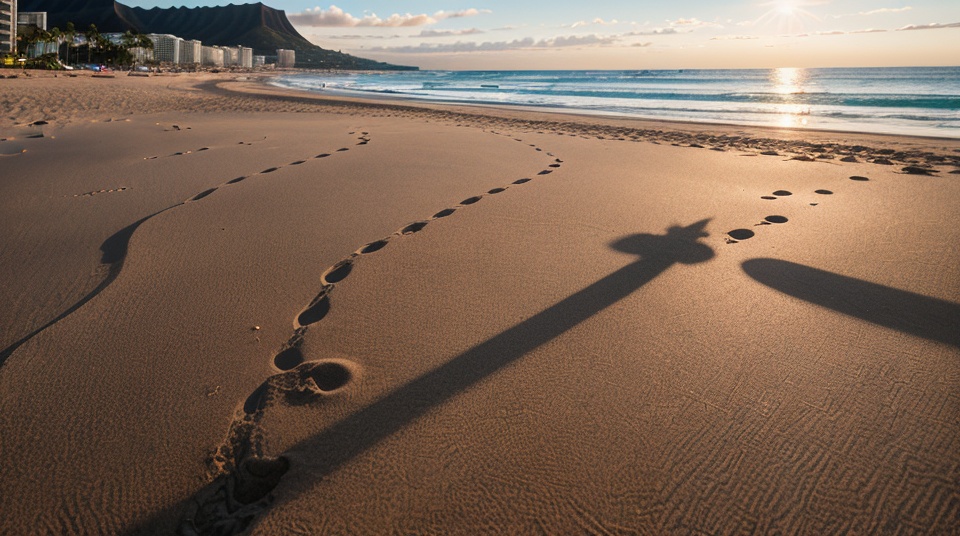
x=191, y=51
x=286, y=58
x=166, y=47
x=8, y=26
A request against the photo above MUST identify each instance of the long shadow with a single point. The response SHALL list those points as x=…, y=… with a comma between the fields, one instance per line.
x=919, y=315
x=369, y=426
x=113, y=251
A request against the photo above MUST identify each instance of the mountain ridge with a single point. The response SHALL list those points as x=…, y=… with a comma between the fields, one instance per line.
x=258, y=26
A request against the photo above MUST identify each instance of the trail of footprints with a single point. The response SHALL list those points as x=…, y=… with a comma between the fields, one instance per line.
x=247, y=475
x=738, y=235
x=209, y=191
x=202, y=149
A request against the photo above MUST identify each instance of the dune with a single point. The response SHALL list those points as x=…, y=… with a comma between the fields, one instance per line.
x=232, y=309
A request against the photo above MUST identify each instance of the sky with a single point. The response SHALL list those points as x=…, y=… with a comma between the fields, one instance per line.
x=625, y=34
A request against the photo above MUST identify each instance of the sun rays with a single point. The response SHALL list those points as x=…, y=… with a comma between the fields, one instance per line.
x=789, y=15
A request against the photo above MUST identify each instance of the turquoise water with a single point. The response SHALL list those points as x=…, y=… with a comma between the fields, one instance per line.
x=922, y=101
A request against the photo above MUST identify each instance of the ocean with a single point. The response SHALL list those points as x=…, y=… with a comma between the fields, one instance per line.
x=921, y=101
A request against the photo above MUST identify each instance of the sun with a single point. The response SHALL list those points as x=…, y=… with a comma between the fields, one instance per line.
x=788, y=15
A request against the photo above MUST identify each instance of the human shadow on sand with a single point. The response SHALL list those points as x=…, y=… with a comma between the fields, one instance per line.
x=371, y=425
x=922, y=316
x=113, y=252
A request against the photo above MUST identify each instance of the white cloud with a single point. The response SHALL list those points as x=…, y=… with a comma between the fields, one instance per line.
x=931, y=26
x=657, y=31
x=648, y=43
x=880, y=11
x=354, y=37
x=833, y=32
x=598, y=21
x=472, y=12
x=733, y=37
x=868, y=30
x=495, y=46
x=336, y=17
x=693, y=23
x=886, y=10
x=447, y=33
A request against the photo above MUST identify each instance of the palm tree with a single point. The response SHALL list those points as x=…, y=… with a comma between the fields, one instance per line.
x=93, y=36
x=56, y=35
x=69, y=35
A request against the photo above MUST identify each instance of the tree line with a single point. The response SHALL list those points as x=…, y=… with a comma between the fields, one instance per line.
x=95, y=46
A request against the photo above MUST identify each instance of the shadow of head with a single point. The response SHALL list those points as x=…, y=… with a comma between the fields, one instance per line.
x=679, y=244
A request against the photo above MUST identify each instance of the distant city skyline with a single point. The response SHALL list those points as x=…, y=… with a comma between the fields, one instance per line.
x=620, y=34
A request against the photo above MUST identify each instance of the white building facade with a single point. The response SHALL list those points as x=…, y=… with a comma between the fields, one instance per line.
x=286, y=58
x=212, y=56
x=231, y=56
x=246, y=58
x=8, y=26
x=191, y=51
x=166, y=47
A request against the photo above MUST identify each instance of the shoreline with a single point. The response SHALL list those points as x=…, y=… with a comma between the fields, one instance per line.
x=672, y=130
x=827, y=123
x=258, y=85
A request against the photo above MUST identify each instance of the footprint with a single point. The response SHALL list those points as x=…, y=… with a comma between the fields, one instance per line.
x=781, y=193
x=343, y=149
x=471, y=200
x=269, y=170
x=554, y=165
x=338, y=272
x=768, y=197
x=234, y=181
x=521, y=181
x=297, y=163
x=859, y=178
x=776, y=219
x=289, y=358
x=258, y=477
x=823, y=192
x=741, y=234
x=444, y=213
x=328, y=375
x=322, y=155
x=256, y=400
x=203, y=194
x=413, y=227
x=373, y=246
x=496, y=190
x=316, y=311
x=203, y=149
x=545, y=172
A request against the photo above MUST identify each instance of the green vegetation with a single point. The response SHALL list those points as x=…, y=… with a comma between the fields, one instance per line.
x=46, y=46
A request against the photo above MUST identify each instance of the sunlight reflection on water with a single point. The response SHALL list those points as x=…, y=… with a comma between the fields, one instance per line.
x=790, y=81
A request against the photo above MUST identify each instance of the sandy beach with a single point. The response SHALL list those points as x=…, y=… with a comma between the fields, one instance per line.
x=233, y=308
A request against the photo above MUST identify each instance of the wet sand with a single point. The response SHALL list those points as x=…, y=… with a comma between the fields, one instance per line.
x=231, y=307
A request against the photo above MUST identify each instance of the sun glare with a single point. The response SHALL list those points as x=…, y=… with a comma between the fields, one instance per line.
x=788, y=15
x=787, y=80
